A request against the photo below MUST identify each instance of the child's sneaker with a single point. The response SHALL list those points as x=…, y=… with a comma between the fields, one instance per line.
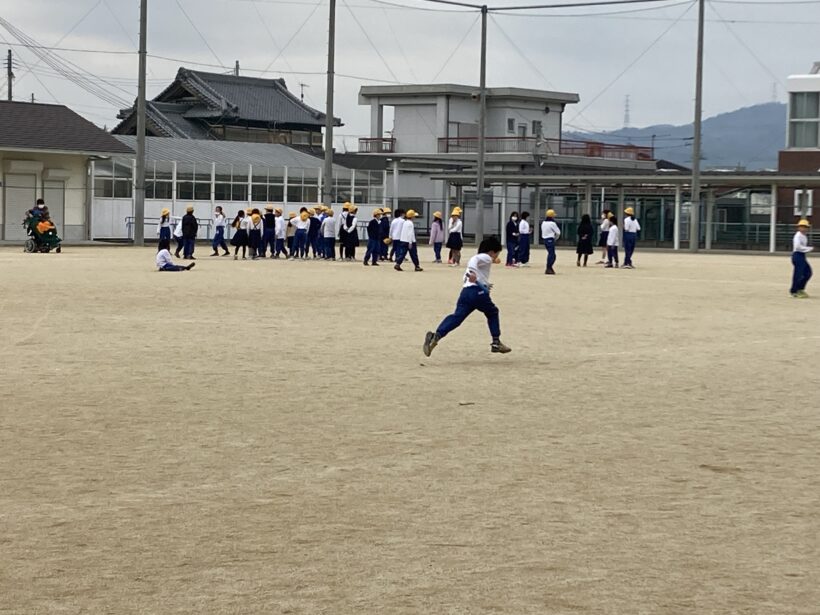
x=430, y=342
x=191, y=266
x=802, y=294
x=498, y=346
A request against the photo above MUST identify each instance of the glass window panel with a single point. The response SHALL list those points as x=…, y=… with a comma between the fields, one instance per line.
x=122, y=189
x=803, y=134
x=149, y=189
x=376, y=193
x=162, y=190
x=185, y=191
x=202, y=172
x=240, y=175
x=276, y=194
x=310, y=194
x=122, y=170
x=103, y=187
x=164, y=170
x=260, y=175
x=104, y=168
x=239, y=192
x=222, y=192
x=185, y=172
x=294, y=194
x=202, y=192
x=259, y=193
x=805, y=105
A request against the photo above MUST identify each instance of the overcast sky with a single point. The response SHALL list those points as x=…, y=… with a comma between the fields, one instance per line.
x=565, y=50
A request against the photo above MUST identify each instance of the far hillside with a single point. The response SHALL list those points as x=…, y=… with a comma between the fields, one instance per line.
x=747, y=138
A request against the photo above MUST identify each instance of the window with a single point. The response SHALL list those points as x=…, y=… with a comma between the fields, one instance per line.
x=537, y=128
x=268, y=184
x=803, y=202
x=804, y=119
x=194, y=182
x=510, y=124
x=112, y=179
x=231, y=183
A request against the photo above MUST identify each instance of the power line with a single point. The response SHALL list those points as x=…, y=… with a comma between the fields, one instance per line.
x=568, y=5
x=399, y=45
x=631, y=64
x=72, y=49
x=193, y=25
x=295, y=34
x=268, y=30
x=457, y=47
x=370, y=40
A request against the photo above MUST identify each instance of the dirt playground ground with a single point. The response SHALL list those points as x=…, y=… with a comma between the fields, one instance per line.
x=267, y=437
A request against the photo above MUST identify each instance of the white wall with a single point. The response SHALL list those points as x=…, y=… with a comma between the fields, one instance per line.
x=72, y=221
x=498, y=111
x=414, y=128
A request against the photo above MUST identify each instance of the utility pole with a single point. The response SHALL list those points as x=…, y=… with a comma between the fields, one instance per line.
x=327, y=180
x=139, y=180
x=236, y=69
x=482, y=127
x=9, y=75
x=694, y=210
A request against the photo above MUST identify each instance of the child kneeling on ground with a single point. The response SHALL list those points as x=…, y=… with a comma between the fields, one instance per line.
x=164, y=261
x=475, y=295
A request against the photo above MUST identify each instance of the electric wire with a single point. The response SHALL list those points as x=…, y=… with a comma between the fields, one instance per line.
x=268, y=30
x=201, y=36
x=294, y=35
x=396, y=38
x=370, y=40
x=632, y=63
x=457, y=47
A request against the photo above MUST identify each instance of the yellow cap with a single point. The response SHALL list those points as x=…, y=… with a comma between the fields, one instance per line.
x=804, y=222
x=456, y=211
x=385, y=211
x=166, y=212
x=610, y=215
x=256, y=218
x=629, y=211
x=291, y=214
x=437, y=214
x=190, y=209
x=411, y=213
x=346, y=207
x=329, y=212
x=278, y=210
x=268, y=207
x=249, y=210
x=304, y=215
x=377, y=212
x=550, y=213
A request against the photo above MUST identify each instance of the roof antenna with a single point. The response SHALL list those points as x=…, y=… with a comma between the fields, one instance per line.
x=302, y=87
x=236, y=69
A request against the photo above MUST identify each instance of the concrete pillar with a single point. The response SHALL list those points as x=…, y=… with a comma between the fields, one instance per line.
x=213, y=186
x=395, y=185
x=588, y=200
x=503, y=229
x=250, y=185
x=173, y=186
x=773, y=221
x=353, y=186
x=710, y=215
x=676, y=227
x=621, y=207
x=376, y=119
x=285, y=188
x=662, y=230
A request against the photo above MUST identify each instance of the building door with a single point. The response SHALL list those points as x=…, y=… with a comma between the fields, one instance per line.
x=20, y=196
x=54, y=196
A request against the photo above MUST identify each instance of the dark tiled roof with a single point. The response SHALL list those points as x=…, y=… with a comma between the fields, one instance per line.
x=195, y=97
x=35, y=126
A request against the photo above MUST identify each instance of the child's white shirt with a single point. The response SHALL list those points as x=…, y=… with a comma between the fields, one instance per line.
x=178, y=229
x=523, y=227
x=605, y=226
x=408, y=232
x=245, y=223
x=219, y=220
x=612, y=239
x=480, y=265
x=164, y=258
x=395, y=229
x=550, y=230
x=455, y=226
x=328, y=228
x=800, y=243
x=631, y=226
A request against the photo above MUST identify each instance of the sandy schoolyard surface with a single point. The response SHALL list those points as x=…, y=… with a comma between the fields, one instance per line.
x=267, y=437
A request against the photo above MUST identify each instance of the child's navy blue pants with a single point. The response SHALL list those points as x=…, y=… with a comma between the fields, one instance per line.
x=472, y=298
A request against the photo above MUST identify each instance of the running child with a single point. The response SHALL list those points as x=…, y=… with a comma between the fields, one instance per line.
x=475, y=295
x=219, y=233
x=802, y=269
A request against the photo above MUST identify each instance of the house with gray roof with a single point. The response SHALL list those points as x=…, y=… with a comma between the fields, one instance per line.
x=45, y=152
x=201, y=105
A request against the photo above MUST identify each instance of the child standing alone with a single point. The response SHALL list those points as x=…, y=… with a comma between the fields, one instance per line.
x=475, y=295
x=612, y=242
x=802, y=269
x=437, y=235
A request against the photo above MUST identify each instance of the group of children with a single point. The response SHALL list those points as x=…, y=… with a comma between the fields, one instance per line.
x=518, y=231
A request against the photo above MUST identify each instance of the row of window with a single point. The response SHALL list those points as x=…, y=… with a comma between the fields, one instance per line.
x=113, y=179
x=537, y=127
x=804, y=119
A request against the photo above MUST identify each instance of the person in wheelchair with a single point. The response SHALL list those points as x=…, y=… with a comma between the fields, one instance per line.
x=41, y=231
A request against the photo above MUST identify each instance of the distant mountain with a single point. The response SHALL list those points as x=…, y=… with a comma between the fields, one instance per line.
x=748, y=138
